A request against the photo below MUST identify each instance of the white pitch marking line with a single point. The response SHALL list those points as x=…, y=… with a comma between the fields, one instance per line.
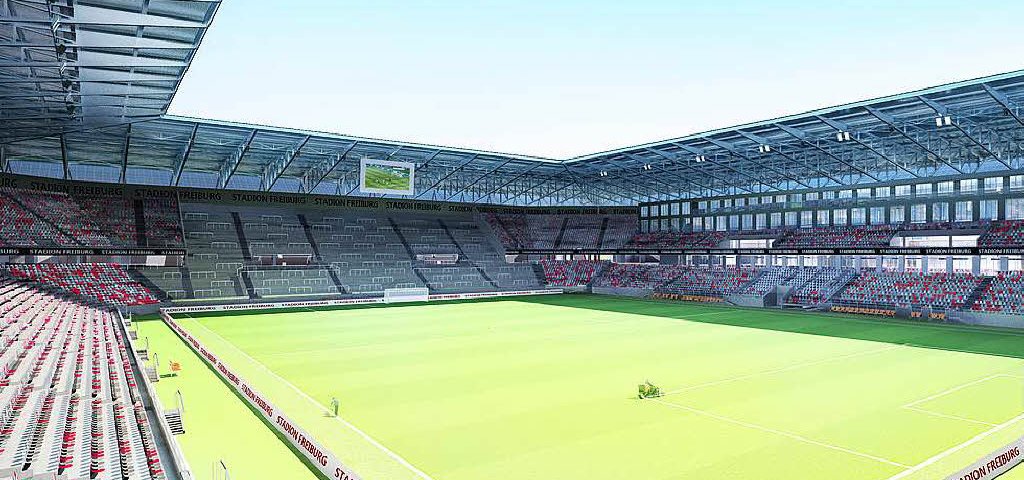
x=778, y=370
x=955, y=389
x=977, y=438
x=352, y=427
x=793, y=436
x=945, y=415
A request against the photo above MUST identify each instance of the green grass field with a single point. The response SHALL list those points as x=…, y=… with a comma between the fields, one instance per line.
x=387, y=178
x=544, y=387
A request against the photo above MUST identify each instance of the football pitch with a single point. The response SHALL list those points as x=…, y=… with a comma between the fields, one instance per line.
x=545, y=388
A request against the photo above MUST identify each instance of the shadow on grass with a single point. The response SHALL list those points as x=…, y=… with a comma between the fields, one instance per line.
x=963, y=338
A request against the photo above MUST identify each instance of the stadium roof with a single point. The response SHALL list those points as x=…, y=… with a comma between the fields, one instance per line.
x=69, y=65
x=96, y=110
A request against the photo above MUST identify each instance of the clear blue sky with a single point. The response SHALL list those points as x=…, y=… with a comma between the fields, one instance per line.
x=566, y=78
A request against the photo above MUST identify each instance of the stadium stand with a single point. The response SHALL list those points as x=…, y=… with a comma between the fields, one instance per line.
x=48, y=219
x=549, y=231
x=69, y=398
x=1005, y=234
x=638, y=275
x=823, y=283
x=716, y=282
x=105, y=283
x=910, y=289
x=1003, y=293
x=678, y=240
x=571, y=273
x=215, y=252
x=838, y=237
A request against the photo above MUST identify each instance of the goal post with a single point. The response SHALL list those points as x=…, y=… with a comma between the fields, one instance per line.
x=395, y=295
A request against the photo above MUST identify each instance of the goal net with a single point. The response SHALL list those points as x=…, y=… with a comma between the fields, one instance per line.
x=394, y=295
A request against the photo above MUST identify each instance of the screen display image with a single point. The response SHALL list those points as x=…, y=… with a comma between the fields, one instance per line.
x=387, y=177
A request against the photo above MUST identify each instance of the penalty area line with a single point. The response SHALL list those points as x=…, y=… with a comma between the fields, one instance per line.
x=782, y=433
x=394, y=456
x=956, y=448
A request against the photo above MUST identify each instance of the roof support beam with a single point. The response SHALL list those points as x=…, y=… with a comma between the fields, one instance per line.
x=433, y=194
x=686, y=181
x=307, y=181
x=277, y=168
x=185, y=154
x=510, y=182
x=5, y=165
x=683, y=163
x=891, y=122
x=538, y=185
x=477, y=179
x=1002, y=99
x=234, y=160
x=943, y=110
x=855, y=138
x=124, y=154
x=579, y=185
x=427, y=160
x=733, y=151
x=799, y=135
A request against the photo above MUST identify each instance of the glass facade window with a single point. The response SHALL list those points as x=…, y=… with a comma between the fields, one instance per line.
x=858, y=216
x=919, y=213
x=812, y=196
x=698, y=224
x=965, y=211
x=863, y=193
x=807, y=219
x=989, y=210
x=741, y=202
x=823, y=217
x=829, y=195
x=734, y=222
x=715, y=205
x=686, y=208
x=675, y=208
x=902, y=190
x=846, y=194
x=727, y=203
x=767, y=200
x=839, y=217
x=940, y=212
x=882, y=192
x=944, y=187
x=969, y=185
x=877, y=215
x=780, y=199
x=776, y=220
x=762, y=221
x=897, y=214
x=1015, y=209
x=748, y=222
x=923, y=189
x=994, y=184
x=675, y=224
x=1016, y=182
x=720, y=224
x=791, y=219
